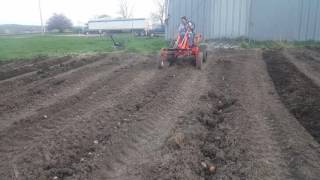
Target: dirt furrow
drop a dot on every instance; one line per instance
(245, 131)
(299, 93)
(114, 120)
(249, 114)
(264, 157)
(3, 63)
(18, 84)
(17, 63)
(306, 62)
(202, 137)
(22, 67)
(77, 103)
(71, 85)
(314, 51)
(272, 130)
(91, 115)
(149, 133)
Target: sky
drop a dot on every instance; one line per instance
(79, 11)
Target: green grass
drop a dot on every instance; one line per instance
(28, 46)
(278, 44)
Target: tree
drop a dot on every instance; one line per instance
(59, 22)
(125, 10)
(159, 16)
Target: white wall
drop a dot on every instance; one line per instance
(118, 25)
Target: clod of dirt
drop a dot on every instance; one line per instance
(210, 120)
(226, 103)
(95, 142)
(176, 141)
(58, 82)
(209, 150)
(208, 167)
(204, 165)
(220, 155)
(61, 173)
(45, 116)
(126, 120)
(212, 169)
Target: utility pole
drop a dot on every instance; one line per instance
(40, 11)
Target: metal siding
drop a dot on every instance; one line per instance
(308, 9)
(255, 19)
(299, 25)
(207, 18)
(295, 18)
(238, 17)
(217, 18)
(224, 18)
(304, 22)
(313, 23)
(284, 20)
(232, 18)
(212, 10)
(302, 26)
(316, 10)
(318, 22)
(228, 22)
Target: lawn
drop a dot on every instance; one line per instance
(28, 46)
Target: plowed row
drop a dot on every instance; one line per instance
(252, 114)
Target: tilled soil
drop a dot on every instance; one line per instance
(249, 114)
(298, 92)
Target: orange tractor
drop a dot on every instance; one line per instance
(182, 49)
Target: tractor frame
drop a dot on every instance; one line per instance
(182, 49)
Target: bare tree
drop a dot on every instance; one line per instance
(125, 10)
(159, 15)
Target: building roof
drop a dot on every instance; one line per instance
(113, 20)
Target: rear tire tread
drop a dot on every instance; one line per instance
(199, 60)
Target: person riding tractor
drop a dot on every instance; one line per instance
(186, 28)
(187, 44)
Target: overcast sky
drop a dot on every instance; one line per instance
(79, 11)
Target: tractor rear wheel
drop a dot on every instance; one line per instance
(203, 48)
(199, 60)
(205, 56)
